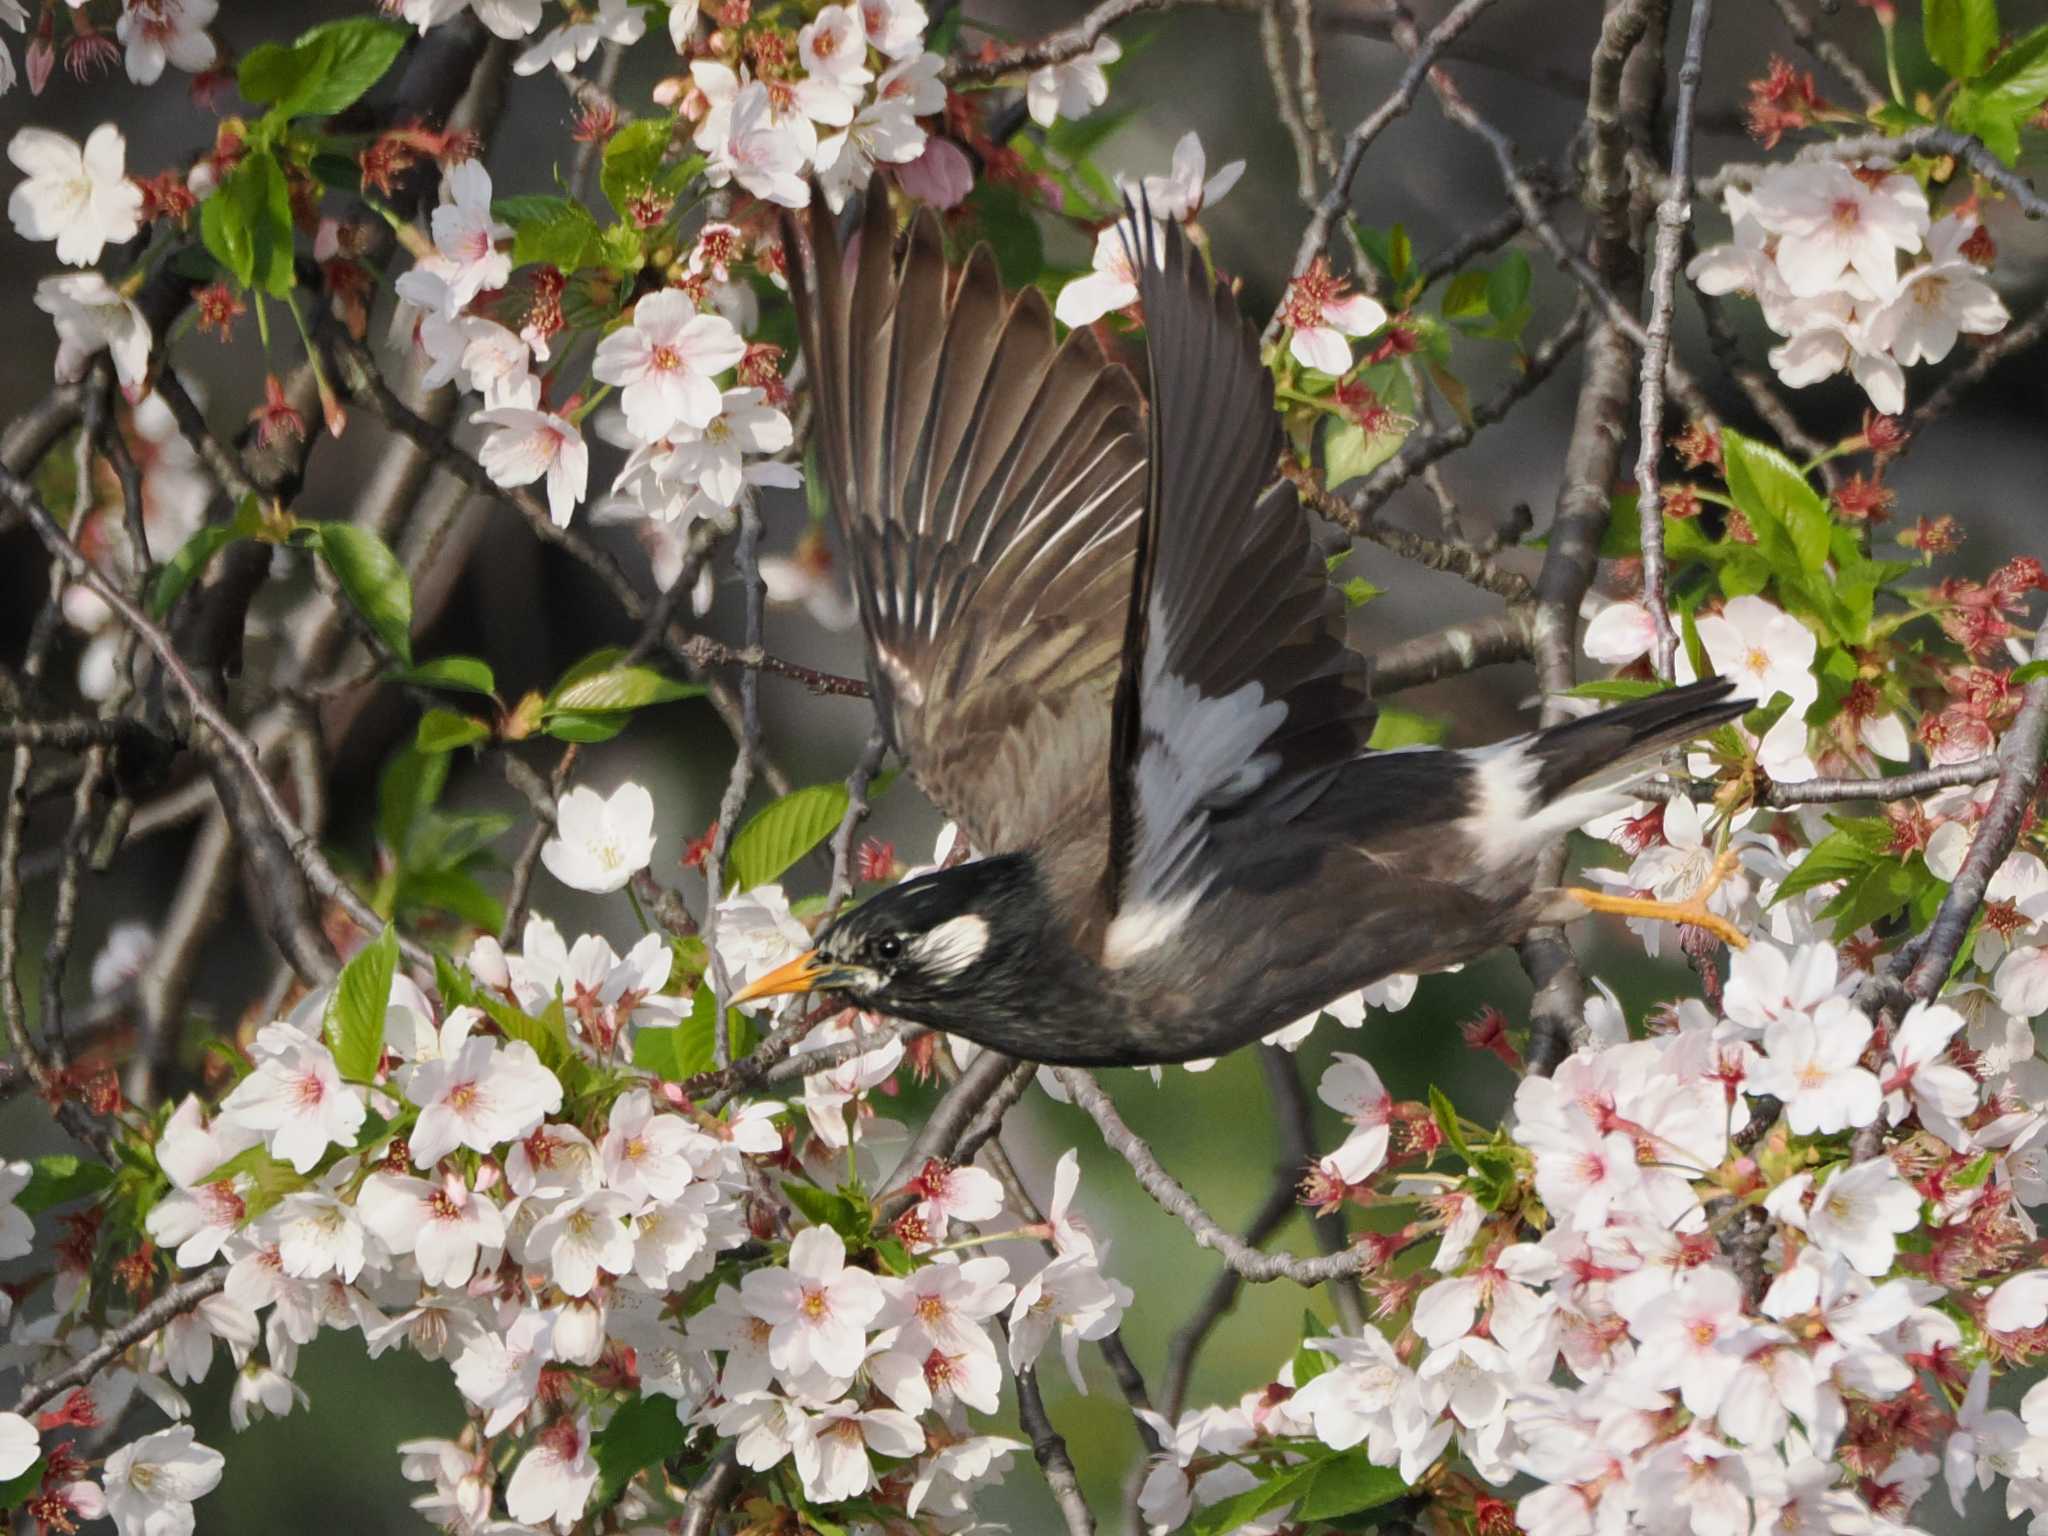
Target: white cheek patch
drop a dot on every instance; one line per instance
(952, 947)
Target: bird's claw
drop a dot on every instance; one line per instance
(1692, 911)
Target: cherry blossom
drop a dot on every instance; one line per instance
(553, 1481)
(160, 31)
(466, 235)
(1112, 285)
(1830, 222)
(1184, 192)
(527, 444)
(442, 1224)
(818, 1310)
(666, 362)
(91, 317)
(1353, 1089)
(1810, 1063)
(601, 841)
(566, 46)
(1073, 88)
(79, 197)
(151, 1483)
(485, 1094)
(295, 1098)
(20, 1445)
(831, 1447)
(1321, 318)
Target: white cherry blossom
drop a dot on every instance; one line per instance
(601, 841)
(77, 195)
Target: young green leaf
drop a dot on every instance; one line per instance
(2001, 101)
(585, 725)
(1769, 487)
(247, 224)
(642, 1434)
(632, 158)
(1959, 34)
(1405, 728)
(620, 688)
(372, 580)
(58, 1179)
(409, 787)
(325, 70)
(184, 567)
(549, 231)
(463, 674)
(443, 730)
(354, 1027)
(780, 834)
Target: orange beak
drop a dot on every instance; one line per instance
(807, 972)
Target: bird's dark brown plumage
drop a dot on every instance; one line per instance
(1101, 637)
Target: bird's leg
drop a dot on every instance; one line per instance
(1692, 910)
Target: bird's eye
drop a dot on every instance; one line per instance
(888, 947)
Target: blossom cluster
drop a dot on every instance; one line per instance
(1819, 245)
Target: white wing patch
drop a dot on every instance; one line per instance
(1501, 821)
(952, 947)
(1145, 926)
(1199, 754)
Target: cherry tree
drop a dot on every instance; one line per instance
(1761, 1257)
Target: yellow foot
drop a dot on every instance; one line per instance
(1692, 910)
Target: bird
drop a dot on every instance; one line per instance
(1100, 634)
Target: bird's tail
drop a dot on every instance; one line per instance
(1560, 778)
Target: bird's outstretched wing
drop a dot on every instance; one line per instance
(1238, 696)
(988, 481)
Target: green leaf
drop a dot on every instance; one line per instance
(549, 231)
(443, 730)
(642, 1434)
(60, 1178)
(679, 1052)
(826, 1208)
(1959, 34)
(372, 580)
(446, 842)
(1872, 895)
(451, 891)
(1618, 689)
(780, 834)
(2029, 672)
(354, 1028)
(1465, 296)
(1310, 1363)
(1358, 592)
(247, 224)
(632, 158)
(1230, 1515)
(1344, 1485)
(1446, 1117)
(462, 674)
(620, 688)
(1999, 103)
(325, 70)
(1769, 488)
(17, 1488)
(1841, 855)
(183, 568)
(1350, 451)
(410, 786)
(1507, 290)
(583, 725)
(1405, 728)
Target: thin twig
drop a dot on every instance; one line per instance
(840, 886)
(1054, 48)
(741, 780)
(1804, 33)
(1171, 1197)
(1495, 640)
(319, 874)
(1904, 786)
(2019, 775)
(173, 1304)
(1421, 57)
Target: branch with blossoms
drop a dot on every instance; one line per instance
(1757, 1257)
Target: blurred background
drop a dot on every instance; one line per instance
(531, 611)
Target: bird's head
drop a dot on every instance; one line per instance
(929, 950)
